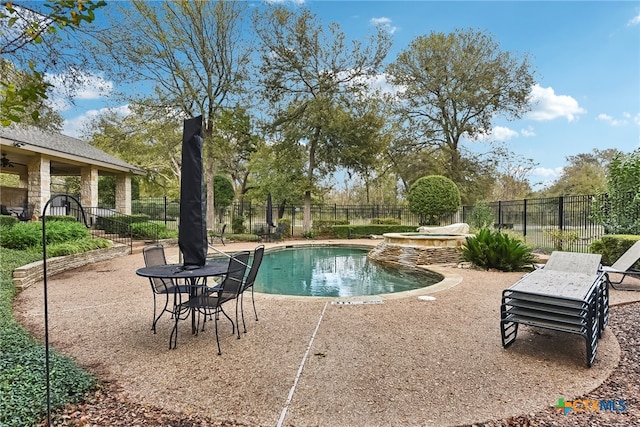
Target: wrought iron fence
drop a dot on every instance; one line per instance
(550, 223)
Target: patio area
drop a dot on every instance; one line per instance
(309, 362)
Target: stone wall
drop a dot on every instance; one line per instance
(412, 255)
(29, 274)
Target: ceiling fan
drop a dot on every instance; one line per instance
(5, 162)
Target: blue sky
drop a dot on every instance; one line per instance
(586, 57)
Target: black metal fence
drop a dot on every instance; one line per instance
(565, 222)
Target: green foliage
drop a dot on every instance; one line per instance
(29, 234)
(119, 224)
(562, 239)
(237, 225)
(310, 235)
(388, 221)
(22, 372)
(612, 246)
(74, 247)
(243, 237)
(433, 196)
(22, 99)
(354, 231)
(222, 192)
(324, 227)
(285, 225)
(151, 230)
(492, 249)
(456, 84)
(481, 216)
(63, 218)
(8, 221)
(619, 211)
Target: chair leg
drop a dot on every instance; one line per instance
(242, 312)
(217, 339)
(254, 304)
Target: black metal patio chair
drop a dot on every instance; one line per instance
(154, 255)
(208, 301)
(250, 280)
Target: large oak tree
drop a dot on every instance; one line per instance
(310, 75)
(193, 54)
(455, 85)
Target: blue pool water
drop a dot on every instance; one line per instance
(333, 272)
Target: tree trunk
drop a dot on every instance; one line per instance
(306, 221)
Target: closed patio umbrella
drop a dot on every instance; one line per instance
(192, 232)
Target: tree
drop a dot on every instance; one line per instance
(223, 190)
(139, 139)
(454, 85)
(309, 75)
(233, 143)
(432, 197)
(619, 210)
(31, 39)
(194, 54)
(585, 173)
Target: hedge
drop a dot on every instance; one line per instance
(355, 231)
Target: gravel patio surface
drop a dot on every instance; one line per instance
(308, 362)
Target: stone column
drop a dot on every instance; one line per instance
(38, 183)
(123, 194)
(89, 187)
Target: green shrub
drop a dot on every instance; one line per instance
(29, 234)
(562, 239)
(387, 221)
(612, 246)
(481, 216)
(8, 221)
(119, 224)
(237, 225)
(324, 227)
(242, 237)
(492, 249)
(150, 230)
(355, 231)
(75, 247)
(433, 196)
(63, 218)
(285, 225)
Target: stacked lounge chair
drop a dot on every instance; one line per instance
(570, 294)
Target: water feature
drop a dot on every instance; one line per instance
(334, 271)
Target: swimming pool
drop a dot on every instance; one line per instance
(333, 271)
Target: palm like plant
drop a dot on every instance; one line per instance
(497, 250)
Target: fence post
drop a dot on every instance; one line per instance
(165, 211)
(499, 215)
(561, 212)
(524, 218)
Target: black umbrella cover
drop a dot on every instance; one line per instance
(192, 232)
(269, 211)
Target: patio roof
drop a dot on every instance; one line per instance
(68, 154)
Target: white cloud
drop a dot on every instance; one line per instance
(502, 133)
(74, 127)
(546, 105)
(385, 23)
(528, 132)
(613, 122)
(547, 172)
(634, 21)
(636, 119)
(84, 86)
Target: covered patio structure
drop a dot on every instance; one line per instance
(36, 155)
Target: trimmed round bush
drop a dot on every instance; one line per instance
(432, 197)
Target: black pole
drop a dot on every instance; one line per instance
(46, 299)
